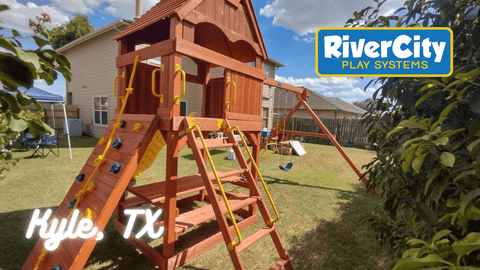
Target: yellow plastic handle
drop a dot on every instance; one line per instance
(234, 89)
(178, 69)
(265, 152)
(161, 69)
(115, 85)
(271, 221)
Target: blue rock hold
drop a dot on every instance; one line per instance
(80, 177)
(117, 143)
(72, 203)
(115, 168)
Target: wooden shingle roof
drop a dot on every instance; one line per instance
(161, 10)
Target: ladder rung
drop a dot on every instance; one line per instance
(214, 143)
(254, 238)
(222, 175)
(280, 264)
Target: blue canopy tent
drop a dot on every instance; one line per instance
(47, 97)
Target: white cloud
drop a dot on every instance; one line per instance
(61, 11)
(18, 15)
(357, 92)
(305, 16)
(125, 9)
(320, 84)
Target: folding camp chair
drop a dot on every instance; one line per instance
(49, 144)
(46, 142)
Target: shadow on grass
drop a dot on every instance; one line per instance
(343, 243)
(273, 180)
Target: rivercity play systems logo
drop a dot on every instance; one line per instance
(377, 52)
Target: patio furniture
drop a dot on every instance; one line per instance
(46, 142)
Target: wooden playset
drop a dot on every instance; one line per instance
(213, 33)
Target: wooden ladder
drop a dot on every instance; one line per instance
(200, 148)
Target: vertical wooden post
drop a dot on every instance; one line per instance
(176, 31)
(121, 83)
(170, 194)
(204, 73)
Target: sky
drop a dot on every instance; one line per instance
(288, 29)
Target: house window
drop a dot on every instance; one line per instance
(265, 117)
(266, 69)
(100, 110)
(183, 108)
(69, 98)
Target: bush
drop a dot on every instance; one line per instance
(427, 130)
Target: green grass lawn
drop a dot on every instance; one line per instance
(319, 200)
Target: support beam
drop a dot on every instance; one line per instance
(196, 51)
(155, 50)
(284, 86)
(335, 143)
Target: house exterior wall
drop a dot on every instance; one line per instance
(268, 93)
(93, 65)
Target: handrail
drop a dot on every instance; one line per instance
(161, 69)
(227, 106)
(233, 244)
(115, 85)
(178, 69)
(270, 222)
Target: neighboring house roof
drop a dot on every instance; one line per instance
(95, 33)
(275, 62)
(345, 106)
(315, 101)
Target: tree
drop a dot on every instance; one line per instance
(19, 68)
(427, 130)
(66, 33)
(364, 104)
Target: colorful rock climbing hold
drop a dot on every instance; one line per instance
(72, 203)
(80, 177)
(137, 127)
(123, 123)
(115, 168)
(117, 143)
(56, 268)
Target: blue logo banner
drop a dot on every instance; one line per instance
(384, 52)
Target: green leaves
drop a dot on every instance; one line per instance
(467, 245)
(430, 152)
(19, 68)
(417, 263)
(447, 159)
(427, 214)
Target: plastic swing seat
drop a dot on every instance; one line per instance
(286, 168)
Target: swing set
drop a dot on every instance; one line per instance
(274, 139)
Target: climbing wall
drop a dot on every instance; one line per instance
(135, 132)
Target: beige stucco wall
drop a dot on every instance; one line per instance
(93, 69)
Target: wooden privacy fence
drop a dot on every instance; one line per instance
(348, 132)
(72, 113)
